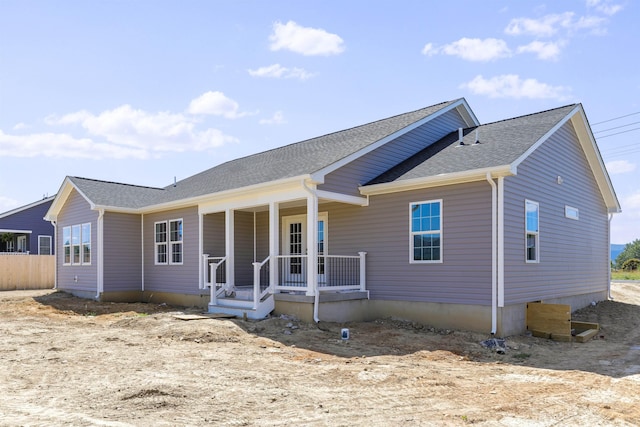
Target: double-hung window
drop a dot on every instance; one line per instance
(76, 244)
(532, 232)
(426, 231)
(169, 242)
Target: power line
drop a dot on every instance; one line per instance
(615, 118)
(618, 133)
(617, 127)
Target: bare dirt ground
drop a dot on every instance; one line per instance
(72, 362)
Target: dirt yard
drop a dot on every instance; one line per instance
(71, 362)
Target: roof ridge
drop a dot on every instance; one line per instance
(525, 115)
(117, 183)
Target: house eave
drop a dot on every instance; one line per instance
(437, 180)
(223, 195)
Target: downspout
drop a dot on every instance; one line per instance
(100, 272)
(142, 251)
(316, 294)
(55, 253)
(494, 257)
(609, 256)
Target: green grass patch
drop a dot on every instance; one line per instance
(625, 275)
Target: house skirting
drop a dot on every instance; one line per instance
(183, 300)
(512, 319)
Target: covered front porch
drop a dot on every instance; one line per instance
(254, 253)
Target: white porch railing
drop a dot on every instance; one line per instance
(215, 275)
(260, 281)
(335, 273)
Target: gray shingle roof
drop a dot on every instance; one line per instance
(296, 159)
(105, 193)
(501, 143)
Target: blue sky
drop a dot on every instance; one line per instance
(145, 91)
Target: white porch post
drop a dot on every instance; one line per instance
(363, 271)
(312, 244)
(229, 244)
(274, 244)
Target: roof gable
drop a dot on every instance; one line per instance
(499, 144)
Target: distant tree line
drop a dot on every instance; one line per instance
(629, 258)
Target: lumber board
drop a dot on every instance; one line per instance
(584, 326)
(554, 319)
(586, 335)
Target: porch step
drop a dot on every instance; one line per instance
(242, 308)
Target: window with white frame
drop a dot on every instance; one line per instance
(532, 231)
(44, 245)
(66, 245)
(169, 242)
(571, 212)
(76, 244)
(426, 231)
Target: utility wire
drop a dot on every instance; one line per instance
(617, 127)
(615, 118)
(618, 133)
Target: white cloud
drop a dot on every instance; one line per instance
(605, 6)
(60, 145)
(512, 86)
(19, 126)
(277, 71)
(550, 25)
(620, 166)
(305, 40)
(429, 49)
(625, 226)
(471, 49)
(277, 119)
(216, 104)
(6, 204)
(544, 27)
(543, 50)
(125, 132)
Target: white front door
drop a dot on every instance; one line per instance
(294, 238)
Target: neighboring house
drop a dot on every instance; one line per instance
(25, 231)
(427, 215)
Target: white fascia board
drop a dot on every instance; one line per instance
(467, 113)
(591, 151)
(253, 195)
(342, 198)
(25, 207)
(319, 175)
(7, 230)
(437, 181)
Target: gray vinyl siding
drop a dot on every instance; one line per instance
(573, 254)
(122, 252)
(213, 235)
(262, 236)
(382, 230)
(30, 219)
(244, 232)
(77, 211)
(347, 179)
(182, 278)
